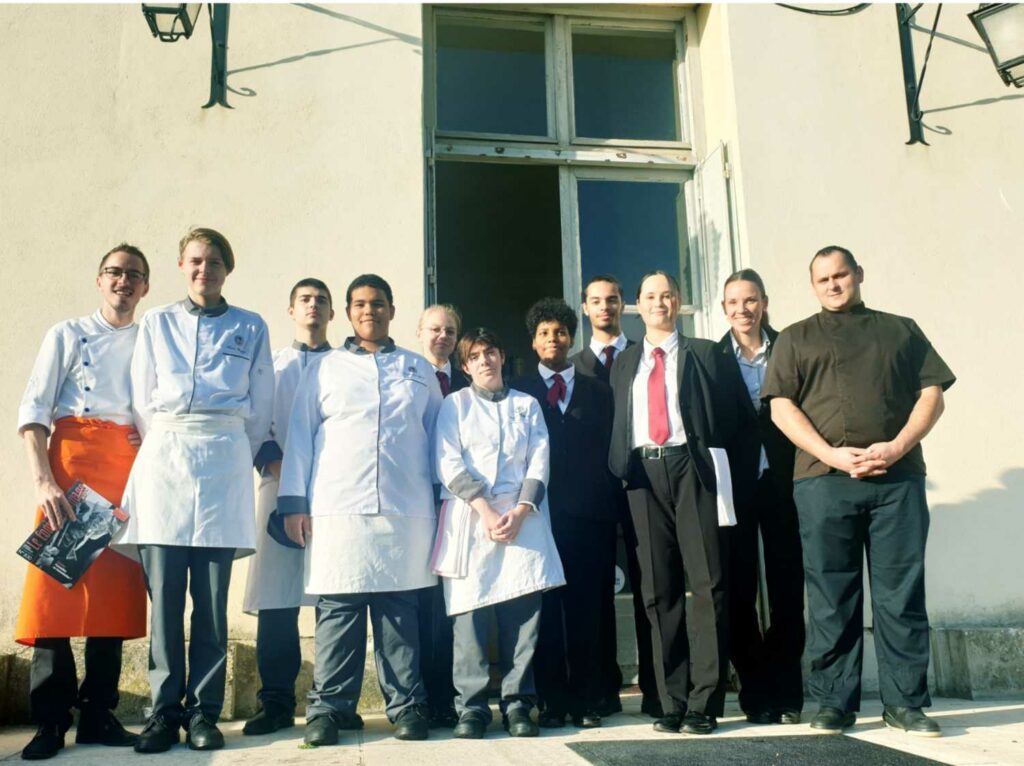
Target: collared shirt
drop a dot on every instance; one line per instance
(596, 346)
(212, 361)
(568, 376)
(753, 371)
(856, 376)
(82, 370)
(641, 437)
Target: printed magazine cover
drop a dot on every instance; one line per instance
(66, 553)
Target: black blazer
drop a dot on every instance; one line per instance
(459, 380)
(587, 363)
(757, 429)
(580, 484)
(708, 400)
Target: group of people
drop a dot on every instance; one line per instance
(426, 492)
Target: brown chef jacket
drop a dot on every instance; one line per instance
(856, 375)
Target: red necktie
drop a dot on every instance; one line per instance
(657, 406)
(556, 393)
(608, 352)
(446, 386)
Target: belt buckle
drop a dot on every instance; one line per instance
(659, 452)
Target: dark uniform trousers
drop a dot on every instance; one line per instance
(53, 683)
(840, 518)
(436, 650)
(676, 522)
(205, 573)
(768, 662)
(278, 658)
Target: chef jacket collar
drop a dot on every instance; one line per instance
(491, 396)
(351, 344)
(859, 308)
(300, 346)
(195, 309)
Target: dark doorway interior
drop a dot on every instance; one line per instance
(498, 246)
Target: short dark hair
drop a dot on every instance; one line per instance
(369, 280)
(124, 247)
(749, 275)
(479, 335)
(551, 310)
(848, 258)
(310, 282)
(213, 238)
(601, 278)
(672, 282)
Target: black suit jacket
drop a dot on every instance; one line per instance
(757, 430)
(587, 363)
(459, 380)
(708, 400)
(580, 484)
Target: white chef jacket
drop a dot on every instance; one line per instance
(676, 436)
(358, 459)
(212, 361)
(82, 370)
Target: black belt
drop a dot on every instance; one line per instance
(657, 453)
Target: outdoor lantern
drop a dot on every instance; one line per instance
(1001, 26)
(169, 21)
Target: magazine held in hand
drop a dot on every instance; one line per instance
(66, 553)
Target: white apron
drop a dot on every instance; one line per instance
(276, 571)
(478, 572)
(191, 485)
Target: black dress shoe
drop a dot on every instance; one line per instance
(48, 741)
(652, 707)
(203, 734)
(158, 736)
(412, 723)
(321, 730)
(518, 723)
(832, 720)
(470, 726)
(445, 718)
(607, 707)
(98, 726)
(589, 720)
(761, 717)
(787, 717)
(267, 722)
(912, 720)
(698, 723)
(550, 720)
(669, 724)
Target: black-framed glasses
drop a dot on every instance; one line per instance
(115, 273)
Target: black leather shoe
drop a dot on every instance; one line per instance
(470, 726)
(267, 722)
(158, 736)
(609, 706)
(444, 719)
(590, 720)
(832, 720)
(761, 717)
(320, 731)
(98, 726)
(412, 723)
(203, 734)
(48, 741)
(787, 717)
(549, 719)
(519, 724)
(669, 724)
(348, 721)
(652, 707)
(912, 720)
(698, 723)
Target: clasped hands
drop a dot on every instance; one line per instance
(503, 527)
(865, 462)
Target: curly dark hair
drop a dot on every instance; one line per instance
(551, 310)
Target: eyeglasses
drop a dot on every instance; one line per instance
(116, 273)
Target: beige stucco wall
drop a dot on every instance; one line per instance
(102, 138)
(814, 115)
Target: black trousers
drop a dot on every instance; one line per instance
(278, 658)
(437, 640)
(841, 519)
(573, 635)
(767, 662)
(53, 681)
(680, 544)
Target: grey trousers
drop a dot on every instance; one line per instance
(278, 658)
(205, 573)
(341, 652)
(518, 626)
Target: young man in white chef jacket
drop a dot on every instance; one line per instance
(202, 392)
(273, 589)
(356, 489)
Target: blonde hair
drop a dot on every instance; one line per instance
(210, 237)
(448, 309)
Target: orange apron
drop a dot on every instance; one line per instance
(110, 599)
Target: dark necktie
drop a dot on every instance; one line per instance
(446, 386)
(556, 393)
(608, 352)
(657, 405)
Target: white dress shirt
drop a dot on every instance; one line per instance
(82, 371)
(568, 375)
(753, 371)
(597, 347)
(676, 435)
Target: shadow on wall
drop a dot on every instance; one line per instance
(974, 545)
